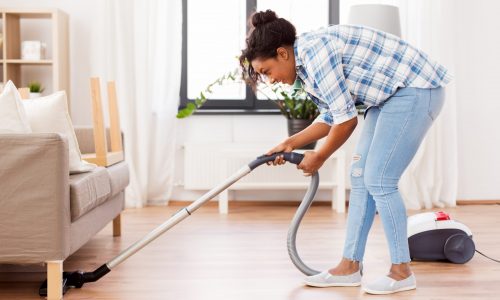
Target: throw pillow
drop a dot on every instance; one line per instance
(12, 115)
(50, 114)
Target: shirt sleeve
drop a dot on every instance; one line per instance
(325, 116)
(323, 63)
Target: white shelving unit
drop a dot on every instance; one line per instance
(47, 25)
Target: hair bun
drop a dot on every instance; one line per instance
(263, 17)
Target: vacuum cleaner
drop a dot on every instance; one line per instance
(78, 278)
(435, 236)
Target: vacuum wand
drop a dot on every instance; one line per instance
(78, 278)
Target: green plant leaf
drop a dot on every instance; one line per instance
(35, 87)
(299, 106)
(185, 112)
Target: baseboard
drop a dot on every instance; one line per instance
(477, 202)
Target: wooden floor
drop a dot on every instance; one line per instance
(243, 256)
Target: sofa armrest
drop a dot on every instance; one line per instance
(34, 198)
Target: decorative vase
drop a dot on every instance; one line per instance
(296, 125)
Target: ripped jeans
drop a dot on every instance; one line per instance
(389, 140)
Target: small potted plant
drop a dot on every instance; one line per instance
(36, 89)
(296, 105)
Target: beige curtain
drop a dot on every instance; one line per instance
(138, 44)
(431, 179)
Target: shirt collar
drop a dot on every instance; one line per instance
(299, 65)
(298, 61)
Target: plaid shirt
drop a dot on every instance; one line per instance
(342, 65)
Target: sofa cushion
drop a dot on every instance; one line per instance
(119, 177)
(88, 190)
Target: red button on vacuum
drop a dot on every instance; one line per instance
(442, 216)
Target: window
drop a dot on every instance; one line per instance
(214, 33)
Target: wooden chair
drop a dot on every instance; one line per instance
(103, 157)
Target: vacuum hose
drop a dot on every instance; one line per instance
(295, 158)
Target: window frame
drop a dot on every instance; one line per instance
(249, 105)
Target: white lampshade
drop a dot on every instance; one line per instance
(379, 16)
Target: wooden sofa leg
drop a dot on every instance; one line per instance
(117, 226)
(54, 279)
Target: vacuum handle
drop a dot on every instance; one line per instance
(292, 157)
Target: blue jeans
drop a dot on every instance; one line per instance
(389, 140)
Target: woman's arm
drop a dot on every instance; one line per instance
(337, 136)
(310, 134)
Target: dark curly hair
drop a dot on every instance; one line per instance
(268, 33)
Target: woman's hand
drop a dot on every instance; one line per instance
(311, 163)
(282, 147)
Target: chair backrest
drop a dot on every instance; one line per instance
(102, 156)
(114, 119)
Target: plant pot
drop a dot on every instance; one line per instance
(35, 95)
(297, 125)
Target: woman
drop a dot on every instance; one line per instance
(340, 66)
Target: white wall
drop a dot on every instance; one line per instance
(476, 80)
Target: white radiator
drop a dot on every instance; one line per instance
(203, 166)
(208, 164)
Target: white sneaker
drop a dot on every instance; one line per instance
(387, 285)
(325, 279)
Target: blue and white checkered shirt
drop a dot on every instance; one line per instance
(342, 65)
